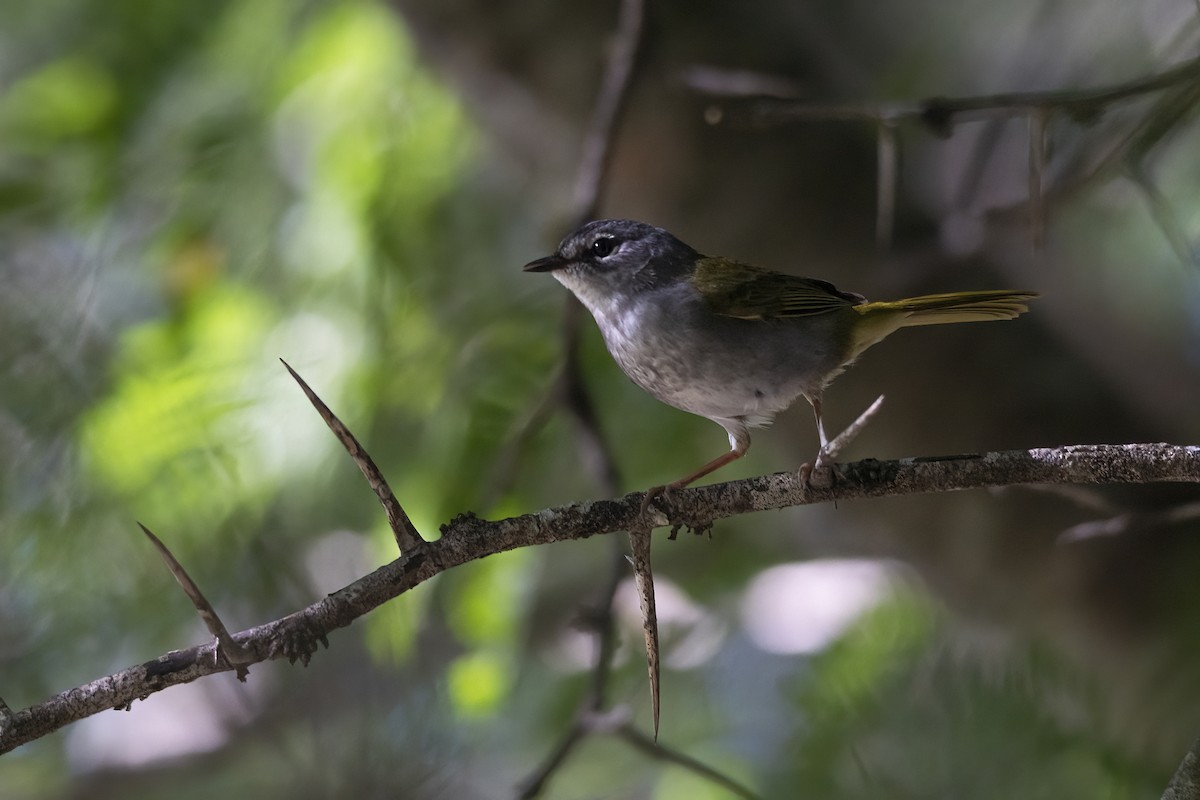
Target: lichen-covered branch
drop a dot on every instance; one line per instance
(468, 538)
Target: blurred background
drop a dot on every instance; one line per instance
(190, 191)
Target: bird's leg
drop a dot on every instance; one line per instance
(823, 454)
(830, 449)
(739, 442)
(823, 458)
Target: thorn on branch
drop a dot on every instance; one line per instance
(643, 579)
(407, 537)
(823, 469)
(226, 646)
(846, 437)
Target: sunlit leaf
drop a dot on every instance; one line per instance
(478, 681)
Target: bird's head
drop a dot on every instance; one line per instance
(613, 260)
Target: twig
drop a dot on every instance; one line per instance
(1118, 152)
(237, 656)
(469, 538)
(589, 184)
(504, 470)
(661, 752)
(851, 432)
(1082, 496)
(569, 388)
(616, 722)
(1123, 523)
(606, 113)
(407, 537)
(533, 784)
(942, 113)
(595, 158)
(1162, 215)
(573, 394)
(722, 82)
(820, 474)
(602, 621)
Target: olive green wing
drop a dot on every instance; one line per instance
(733, 289)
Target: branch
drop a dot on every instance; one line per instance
(942, 113)
(468, 538)
(570, 391)
(606, 113)
(1185, 783)
(617, 723)
(1178, 88)
(661, 752)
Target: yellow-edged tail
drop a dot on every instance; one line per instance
(883, 318)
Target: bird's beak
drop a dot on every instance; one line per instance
(547, 264)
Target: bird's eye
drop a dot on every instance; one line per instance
(603, 246)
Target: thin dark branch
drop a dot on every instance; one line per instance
(570, 389)
(661, 752)
(469, 538)
(604, 622)
(606, 113)
(589, 183)
(596, 155)
(723, 82)
(1126, 150)
(1123, 523)
(536, 781)
(942, 113)
(594, 450)
(407, 537)
(1085, 497)
(505, 467)
(1163, 215)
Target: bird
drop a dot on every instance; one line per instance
(729, 341)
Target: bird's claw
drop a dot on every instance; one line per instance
(823, 468)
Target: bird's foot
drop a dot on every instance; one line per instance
(822, 473)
